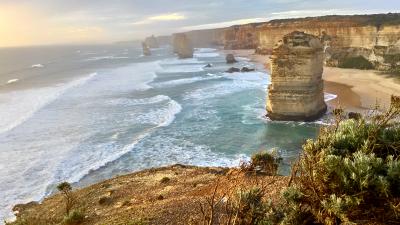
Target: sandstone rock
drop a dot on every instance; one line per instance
(230, 58)
(146, 49)
(152, 42)
(182, 46)
(233, 70)
(296, 90)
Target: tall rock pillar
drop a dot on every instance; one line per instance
(296, 90)
(182, 46)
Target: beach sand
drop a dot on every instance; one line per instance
(357, 90)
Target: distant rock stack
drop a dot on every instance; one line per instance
(296, 90)
(146, 49)
(152, 42)
(182, 46)
(230, 58)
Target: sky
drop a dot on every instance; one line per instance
(47, 22)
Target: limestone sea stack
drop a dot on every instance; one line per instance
(152, 42)
(182, 46)
(296, 89)
(146, 49)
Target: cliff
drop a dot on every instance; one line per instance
(182, 46)
(373, 37)
(296, 90)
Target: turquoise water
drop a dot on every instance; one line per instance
(91, 113)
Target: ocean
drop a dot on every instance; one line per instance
(87, 113)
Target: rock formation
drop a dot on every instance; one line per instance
(146, 49)
(152, 42)
(230, 58)
(233, 70)
(374, 37)
(296, 90)
(236, 70)
(182, 46)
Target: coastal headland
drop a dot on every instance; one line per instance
(178, 193)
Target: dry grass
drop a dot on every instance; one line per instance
(135, 198)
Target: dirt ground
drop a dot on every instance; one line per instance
(168, 195)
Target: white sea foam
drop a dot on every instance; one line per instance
(206, 54)
(18, 106)
(183, 69)
(162, 150)
(239, 82)
(329, 97)
(106, 57)
(205, 50)
(249, 76)
(84, 163)
(12, 81)
(218, 90)
(97, 162)
(242, 59)
(143, 101)
(172, 83)
(37, 66)
(161, 117)
(176, 61)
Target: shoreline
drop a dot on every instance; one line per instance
(356, 90)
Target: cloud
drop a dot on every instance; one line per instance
(162, 17)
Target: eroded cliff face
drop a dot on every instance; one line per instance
(182, 46)
(241, 37)
(375, 38)
(296, 90)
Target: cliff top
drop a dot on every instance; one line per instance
(361, 20)
(168, 195)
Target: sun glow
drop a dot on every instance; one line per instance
(22, 26)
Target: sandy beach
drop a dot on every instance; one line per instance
(357, 90)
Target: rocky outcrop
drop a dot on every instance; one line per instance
(373, 37)
(236, 70)
(230, 58)
(146, 49)
(182, 46)
(241, 37)
(296, 90)
(152, 42)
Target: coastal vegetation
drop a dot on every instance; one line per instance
(350, 174)
(358, 62)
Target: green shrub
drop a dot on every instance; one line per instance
(358, 62)
(66, 190)
(350, 173)
(74, 217)
(267, 162)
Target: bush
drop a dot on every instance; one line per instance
(266, 162)
(66, 190)
(74, 217)
(351, 173)
(165, 180)
(358, 62)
